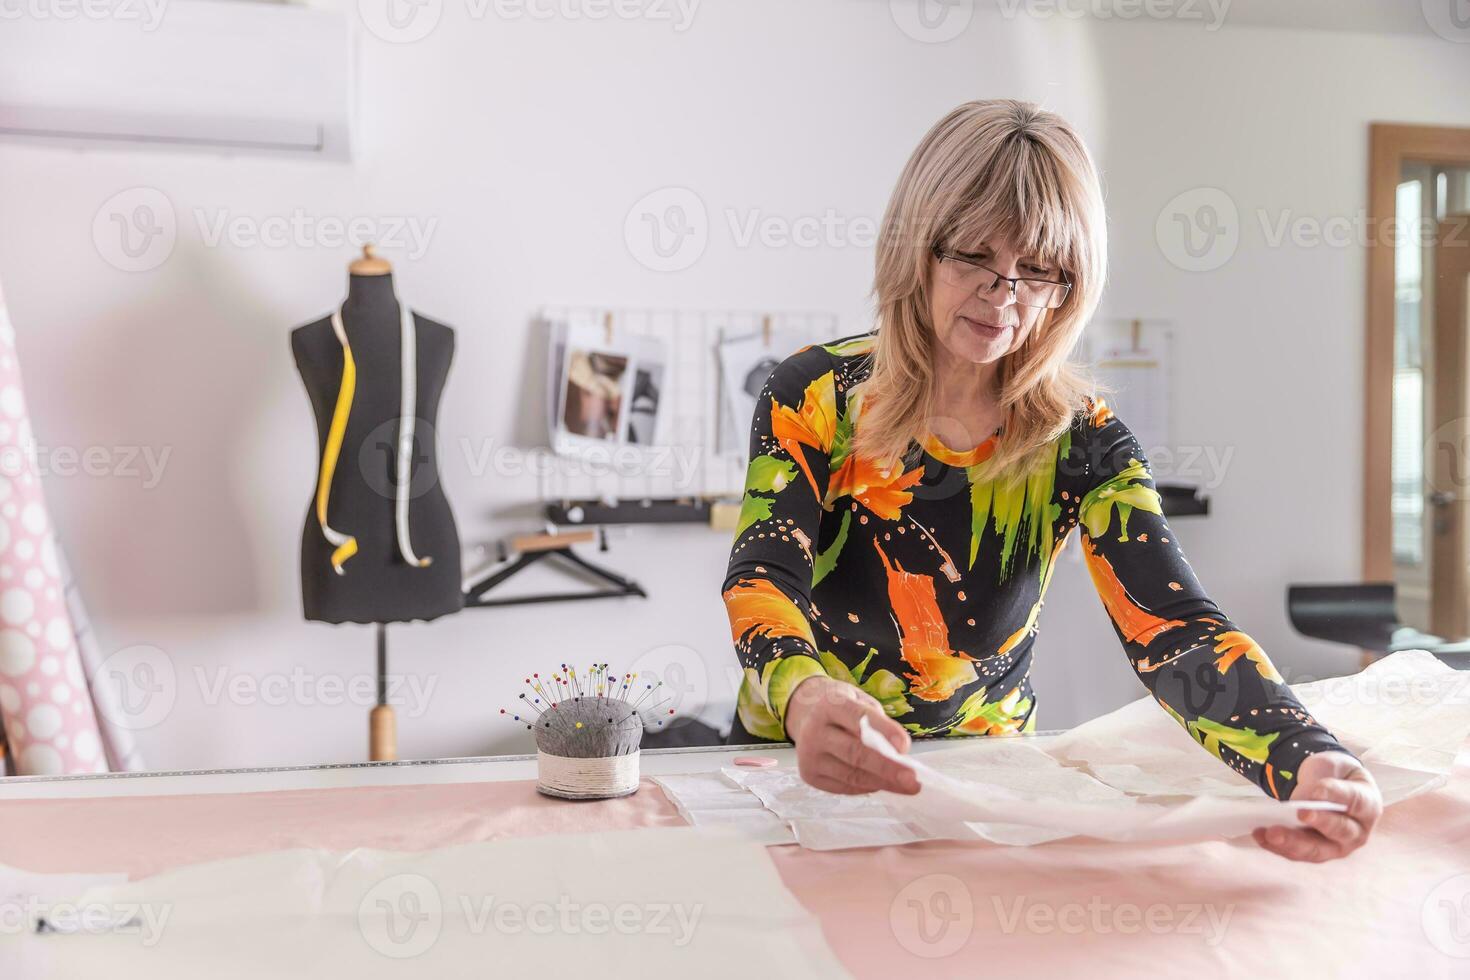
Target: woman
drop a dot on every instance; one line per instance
(910, 490)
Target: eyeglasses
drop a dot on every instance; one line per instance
(971, 276)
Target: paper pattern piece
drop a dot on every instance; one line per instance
(1130, 775)
(714, 800)
(652, 902)
(949, 807)
(1404, 716)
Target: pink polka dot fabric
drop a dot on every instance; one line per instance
(45, 702)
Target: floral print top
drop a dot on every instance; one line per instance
(922, 585)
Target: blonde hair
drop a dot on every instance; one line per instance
(996, 170)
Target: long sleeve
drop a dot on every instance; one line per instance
(1203, 669)
(767, 589)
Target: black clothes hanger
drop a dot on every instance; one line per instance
(534, 548)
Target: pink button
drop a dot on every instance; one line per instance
(756, 761)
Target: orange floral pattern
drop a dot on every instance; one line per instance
(882, 490)
(923, 636)
(813, 424)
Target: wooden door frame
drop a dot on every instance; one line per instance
(1449, 579)
(1389, 145)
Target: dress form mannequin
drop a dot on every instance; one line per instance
(379, 543)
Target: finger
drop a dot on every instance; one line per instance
(1276, 843)
(1366, 805)
(893, 775)
(851, 721)
(896, 734)
(832, 771)
(1298, 844)
(1337, 827)
(1359, 796)
(836, 776)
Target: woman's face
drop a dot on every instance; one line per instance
(981, 325)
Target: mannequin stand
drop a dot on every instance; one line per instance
(382, 724)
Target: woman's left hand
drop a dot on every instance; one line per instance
(1327, 835)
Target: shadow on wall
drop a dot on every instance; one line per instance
(173, 384)
(528, 427)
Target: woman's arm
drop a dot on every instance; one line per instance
(767, 589)
(1205, 671)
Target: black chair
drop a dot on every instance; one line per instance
(1360, 615)
(1363, 615)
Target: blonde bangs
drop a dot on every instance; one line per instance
(1014, 200)
(991, 171)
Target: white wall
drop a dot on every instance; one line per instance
(526, 143)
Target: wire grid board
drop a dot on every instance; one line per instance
(685, 459)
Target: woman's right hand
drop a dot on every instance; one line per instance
(822, 718)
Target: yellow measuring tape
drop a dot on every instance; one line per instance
(345, 545)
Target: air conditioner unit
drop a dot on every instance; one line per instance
(195, 74)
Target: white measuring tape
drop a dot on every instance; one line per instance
(408, 405)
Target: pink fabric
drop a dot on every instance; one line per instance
(1066, 908)
(144, 835)
(47, 708)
